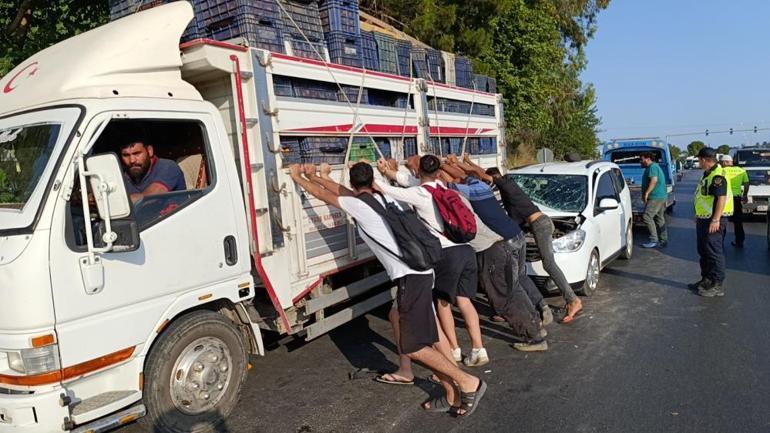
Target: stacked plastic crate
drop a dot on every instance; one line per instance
(303, 32)
(313, 150)
(340, 21)
(463, 72)
(369, 46)
(484, 83)
(404, 55)
(363, 148)
(257, 21)
(428, 64)
(386, 53)
(121, 8)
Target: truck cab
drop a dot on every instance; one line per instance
(626, 154)
(756, 161)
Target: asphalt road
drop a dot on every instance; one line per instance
(647, 356)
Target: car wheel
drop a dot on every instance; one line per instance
(592, 275)
(194, 374)
(629, 249)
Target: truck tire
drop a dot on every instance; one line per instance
(194, 374)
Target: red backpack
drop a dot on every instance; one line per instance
(459, 221)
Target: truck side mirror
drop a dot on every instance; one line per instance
(108, 187)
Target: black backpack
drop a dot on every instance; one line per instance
(420, 250)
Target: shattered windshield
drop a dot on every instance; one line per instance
(566, 193)
(30, 145)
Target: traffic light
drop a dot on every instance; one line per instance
(755, 129)
(707, 133)
(731, 131)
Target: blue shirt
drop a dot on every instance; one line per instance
(486, 206)
(162, 171)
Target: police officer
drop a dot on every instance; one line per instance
(713, 201)
(739, 182)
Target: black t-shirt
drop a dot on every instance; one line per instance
(516, 202)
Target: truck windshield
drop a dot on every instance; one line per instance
(566, 193)
(753, 158)
(633, 157)
(29, 147)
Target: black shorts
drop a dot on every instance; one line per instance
(456, 273)
(416, 319)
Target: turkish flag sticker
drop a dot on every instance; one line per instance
(24, 74)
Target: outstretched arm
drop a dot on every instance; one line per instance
(325, 180)
(313, 189)
(474, 169)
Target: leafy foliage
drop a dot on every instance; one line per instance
(694, 147)
(724, 149)
(28, 26)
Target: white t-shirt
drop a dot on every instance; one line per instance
(422, 202)
(372, 225)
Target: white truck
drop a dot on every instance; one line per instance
(756, 161)
(112, 311)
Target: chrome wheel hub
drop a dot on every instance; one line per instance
(592, 276)
(201, 375)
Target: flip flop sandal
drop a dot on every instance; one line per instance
(440, 404)
(382, 379)
(432, 379)
(469, 401)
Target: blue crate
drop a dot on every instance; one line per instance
(313, 150)
(463, 72)
(340, 16)
(483, 110)
(325, 144)
(386, 53)
(352, 93)
(300, 48)
(258, 21)
(283, 86)
(428, 64)
(345, 49)
(121, 8)
(404, 55)
(491, 85)
(369, 46)
(307, 18)
(410, 147)
(484, 83)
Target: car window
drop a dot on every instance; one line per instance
(620, 181)
(605, 187)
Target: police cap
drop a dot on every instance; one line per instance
(708, 153)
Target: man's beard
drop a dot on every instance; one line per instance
(137, 172)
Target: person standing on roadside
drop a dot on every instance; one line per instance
(654, 196)
(713, 201)
(739, 182)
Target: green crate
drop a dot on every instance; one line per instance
(363, 151)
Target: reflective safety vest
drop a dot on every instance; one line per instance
(736, 176)
(704, 202)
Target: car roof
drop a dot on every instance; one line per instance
(581, 167)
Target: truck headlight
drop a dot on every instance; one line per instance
(570, 242)
(30, 362)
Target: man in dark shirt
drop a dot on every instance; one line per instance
(522, 210)
(146, 174)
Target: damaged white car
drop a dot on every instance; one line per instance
(590, 206)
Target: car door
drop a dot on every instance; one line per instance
(182, 234)
(609, 221)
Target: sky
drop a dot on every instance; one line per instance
(666, 67)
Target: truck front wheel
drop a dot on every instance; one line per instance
(194, 374)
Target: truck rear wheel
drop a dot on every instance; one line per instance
(194, 374)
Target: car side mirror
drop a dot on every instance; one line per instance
(608, 204)
(107, 185)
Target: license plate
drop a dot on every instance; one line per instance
(761, 208)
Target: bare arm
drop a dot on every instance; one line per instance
(154, 188)
(314, 189)
(454, 171)
(325, 180)
(474, 169)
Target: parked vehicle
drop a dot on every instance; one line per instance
(113, 310)
(626, 153)
(590, 205)
(756, 161)
(679, 170)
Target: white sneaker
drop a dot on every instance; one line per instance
(457, 354)
(477, 358)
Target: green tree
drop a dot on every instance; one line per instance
(28, 26)
(694, 147)
(676, 152)
(724, 149)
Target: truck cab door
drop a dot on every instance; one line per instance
(183, 235)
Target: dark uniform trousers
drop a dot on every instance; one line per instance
(711, 248)
(737, 219)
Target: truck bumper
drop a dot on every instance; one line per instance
(40, 412)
